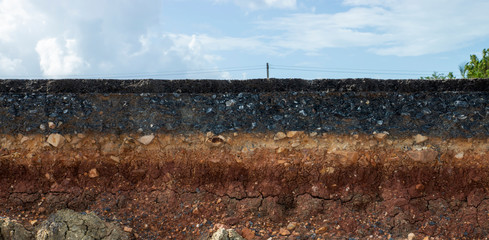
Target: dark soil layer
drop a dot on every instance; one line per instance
(441, 114)
(186, 194)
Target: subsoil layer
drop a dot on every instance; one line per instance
(290, 185)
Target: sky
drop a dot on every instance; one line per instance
(234, 39)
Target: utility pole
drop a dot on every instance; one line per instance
(268, 73)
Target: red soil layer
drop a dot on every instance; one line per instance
(184, 187)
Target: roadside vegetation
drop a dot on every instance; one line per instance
(475, 68)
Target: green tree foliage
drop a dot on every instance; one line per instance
(477, 68)
(439, 76)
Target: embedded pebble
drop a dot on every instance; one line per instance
(56, 140)
(279, 136)
(146, 139)
(420, 138)
(93, 173)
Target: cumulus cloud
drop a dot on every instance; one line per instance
(9, 66)
(57, 59)
(46, 38)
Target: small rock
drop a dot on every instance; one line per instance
(411, 236)
(291, 226)
(223, 234)
(426, 238)
(425, 155)
(127, 229)
(313, 134)
(321, 230)
(93, 173)
(381, 136)
(295, 144)
(146, 139)
(51, 125)
(42, 127)
(230, 103)
(279, 136)
(56, 140)
(233, 235)
(291, 134)
(280, 150)
(248, 234)
(420, 138)
(24, 139)
(32, 222)
(459, 155)
(115, 159)
(284, 232)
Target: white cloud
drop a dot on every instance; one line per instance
(12, 16)
(57, 59)
(263, 4)
(386, 27)
(9, 66)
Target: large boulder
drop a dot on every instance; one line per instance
(68, 224)
(11, 230)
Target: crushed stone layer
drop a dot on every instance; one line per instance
(284, 185)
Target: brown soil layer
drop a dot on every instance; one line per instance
(283, 185)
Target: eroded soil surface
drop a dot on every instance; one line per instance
(283, 185)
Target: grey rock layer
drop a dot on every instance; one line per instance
(11, 230)
(64, 225)
(70, 225)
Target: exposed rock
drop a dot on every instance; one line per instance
(284, 232)
(291, 134)
(42, 127)
(93, 173)
(51, 125)
(147, 139)
(109, 148)
(420, 138)
(411, 236)
(321, 230)
(424, 155)
(248, 234)
(115, 159)
(12, 230)
(56, 140)
(380, 136)
(291, 226)
(279, 136)
(226, 234)
(459, 155)
(68, 224)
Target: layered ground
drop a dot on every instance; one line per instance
(285, 158)
(183, 186)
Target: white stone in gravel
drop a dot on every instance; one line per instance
(147, 139)
(93, 173)
(56, 140)
(420, 138)
(459, 155)
(279, 136)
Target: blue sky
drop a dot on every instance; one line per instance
(234, 39)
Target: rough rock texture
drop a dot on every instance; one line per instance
(12, 230)
(436, 108)
(67, 224)
(226, 234)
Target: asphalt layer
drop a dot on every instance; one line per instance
(441, 114)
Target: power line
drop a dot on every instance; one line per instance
(241, 69)
(350, 70)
